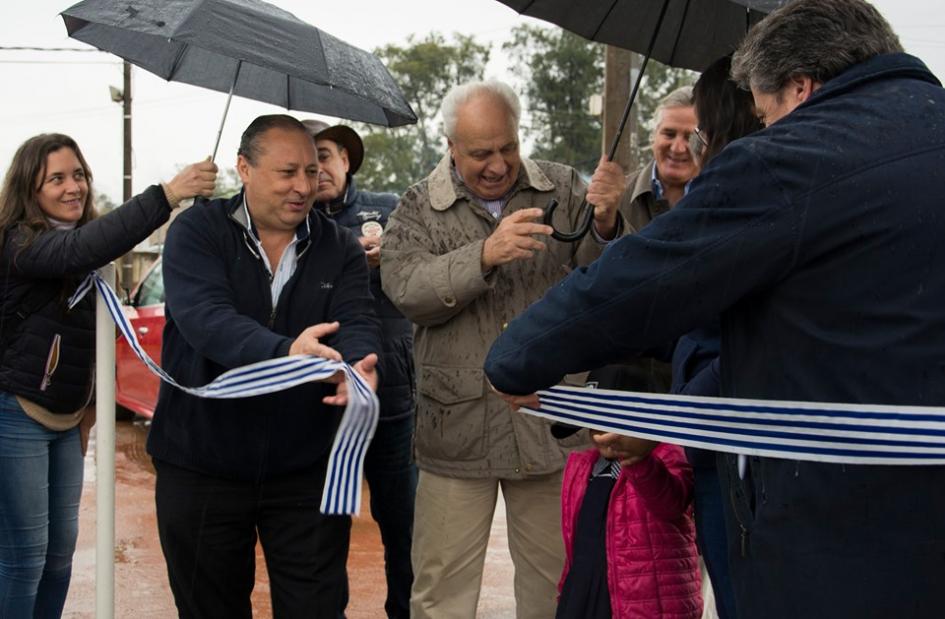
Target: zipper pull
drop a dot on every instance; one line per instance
(744, 542)
(52, 362)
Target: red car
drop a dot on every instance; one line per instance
(136, 388)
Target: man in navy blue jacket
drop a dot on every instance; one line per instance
(256, 277)
(388, 467)
(819, 242)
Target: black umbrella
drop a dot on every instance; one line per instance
(681, 33)
(244, 47)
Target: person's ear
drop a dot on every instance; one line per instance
(801, 87)
(343, 153)
(242, 168)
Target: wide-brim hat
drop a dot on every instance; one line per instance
(342, 134)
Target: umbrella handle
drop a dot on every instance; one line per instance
(586, 211)
(585, 217)
(226, 110)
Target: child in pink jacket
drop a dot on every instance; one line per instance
(629, 538)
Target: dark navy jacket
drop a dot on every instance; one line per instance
(220, 316)
(819, 241)
(36, 283)
(396, 392)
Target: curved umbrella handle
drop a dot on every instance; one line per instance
(586, 211)
(585, 217)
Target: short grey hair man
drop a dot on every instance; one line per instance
(681, 97)
(462, 94)
(812, 40)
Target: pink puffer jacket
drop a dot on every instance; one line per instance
(653, 565)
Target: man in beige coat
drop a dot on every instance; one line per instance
(464, 253)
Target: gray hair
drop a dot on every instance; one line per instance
(816, 38)
(463, 93)
(681, 97)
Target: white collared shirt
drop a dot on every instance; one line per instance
(287, 263)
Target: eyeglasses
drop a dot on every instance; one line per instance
(697, 142)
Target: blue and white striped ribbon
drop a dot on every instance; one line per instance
(814, 431)
(342, 492)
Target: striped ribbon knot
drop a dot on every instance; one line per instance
(814, 431)
(342, 491)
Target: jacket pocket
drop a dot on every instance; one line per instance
(450, 413)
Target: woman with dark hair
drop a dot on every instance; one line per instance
(50, 239)
(725, 113)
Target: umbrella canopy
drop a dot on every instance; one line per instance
(245, 47)
(681, 33)
(693, 33)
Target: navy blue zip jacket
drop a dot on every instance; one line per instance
(355, 209)
(819, 241)
(220, 316)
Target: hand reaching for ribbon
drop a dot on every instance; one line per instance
(366, 368)
(627, 449)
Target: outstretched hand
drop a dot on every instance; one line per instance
(366, 368)
(309, 342)
(516, 402)
(627, 449)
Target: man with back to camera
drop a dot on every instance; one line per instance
(818, 241)
(388, 467)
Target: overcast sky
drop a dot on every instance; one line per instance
(177, 123)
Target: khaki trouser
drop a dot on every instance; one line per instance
(451, 527)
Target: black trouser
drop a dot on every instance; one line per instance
(208, 529)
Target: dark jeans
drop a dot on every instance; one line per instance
(712, 539)
(40, 487)
(392, 478)
(208, 529)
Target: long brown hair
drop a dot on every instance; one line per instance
(18, 204)
(725, 111)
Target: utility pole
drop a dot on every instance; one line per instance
(127, 261)
(618, 66)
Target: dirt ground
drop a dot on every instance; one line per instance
(141, 588)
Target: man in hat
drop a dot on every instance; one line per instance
(389, 468)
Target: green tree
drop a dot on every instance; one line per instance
(425, 70)
(557, 72)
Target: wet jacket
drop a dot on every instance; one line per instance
(652, 562)
(219, 316)
(396, 393)
(431, 270)
(35, 323)
(818, 240)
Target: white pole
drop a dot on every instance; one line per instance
(105, 455)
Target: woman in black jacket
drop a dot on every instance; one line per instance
(50, 239)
